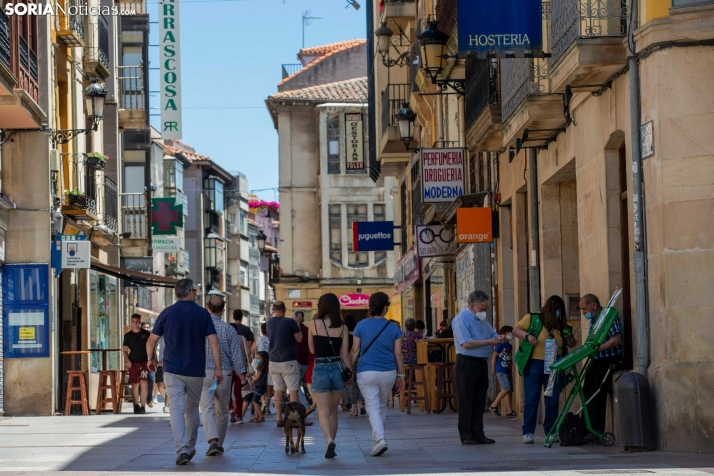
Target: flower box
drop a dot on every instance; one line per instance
(96, 160)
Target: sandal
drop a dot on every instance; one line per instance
(353, 414)
(257, 420)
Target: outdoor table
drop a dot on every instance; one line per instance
(446, 346)
(104, 355)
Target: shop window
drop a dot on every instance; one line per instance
(355, 212)
(105, 330)
(335, 218)
(379, 214)
(333, 144)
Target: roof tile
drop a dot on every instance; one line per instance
(351, 90)
(326, 51)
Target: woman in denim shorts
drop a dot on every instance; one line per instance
(328, 341)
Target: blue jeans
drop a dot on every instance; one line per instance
(534, 382)
(327, 377)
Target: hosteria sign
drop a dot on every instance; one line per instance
(442, 174)
(514, 26)
(170, 53)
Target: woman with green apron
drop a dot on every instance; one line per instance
(542, 335)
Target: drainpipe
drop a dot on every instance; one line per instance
(638, 202)
(462, 121)
(534, 269)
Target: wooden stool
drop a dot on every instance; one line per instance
(81, 387)
(105, 388)
(445, 388)
(415, 378)
(121, 391)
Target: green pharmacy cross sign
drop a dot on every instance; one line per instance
(166, 216)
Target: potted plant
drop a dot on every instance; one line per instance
(96, 160)
(76, 197)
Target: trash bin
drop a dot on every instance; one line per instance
(633, 411)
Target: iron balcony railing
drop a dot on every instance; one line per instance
(28, 59)
(4, 39)
(290, 69)
(482, 87)
(134, 215)
(91, 190)
(97, 48)
(522, 77)
(229, 284)
(71, 21)
(573, 19)
(392, 99)
(131, 87)
(111, 204)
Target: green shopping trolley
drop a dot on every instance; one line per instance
(567, 369)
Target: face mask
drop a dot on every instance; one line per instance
(558, 314)
(589, 315)
(480, 315)
(509, 337)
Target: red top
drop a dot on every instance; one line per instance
(302, 349)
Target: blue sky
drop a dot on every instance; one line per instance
(231, 53)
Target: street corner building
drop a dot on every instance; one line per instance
(597, 171)
(323, 124)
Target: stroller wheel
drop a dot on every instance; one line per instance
(608, 439)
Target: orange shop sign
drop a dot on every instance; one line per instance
(474, 225)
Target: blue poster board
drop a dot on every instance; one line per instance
(513, 26)
(26, 310)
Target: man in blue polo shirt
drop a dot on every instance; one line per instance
(185, 326)
(473, 336)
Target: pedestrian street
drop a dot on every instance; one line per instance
(128, 444)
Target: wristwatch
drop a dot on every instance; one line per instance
(400, 375)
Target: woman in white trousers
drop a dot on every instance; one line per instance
(378, 344)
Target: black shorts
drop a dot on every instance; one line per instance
(159, 375)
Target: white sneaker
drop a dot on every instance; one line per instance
(166, 409)
(155, 400)
(379, 448)
(528, 438)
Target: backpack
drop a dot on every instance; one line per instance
(572, 431)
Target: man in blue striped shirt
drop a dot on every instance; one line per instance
(473, 336)
(609, 357)
(214, 406)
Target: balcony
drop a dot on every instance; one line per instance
(229, 284)
(527, 101)
(483, 105)
(96, 51)
(132, 106)
(290, 69)
(19, 80)
(70, 28)
(135, 225)
(401, 11)
(588, 42)
(392, 152)
(111, 205)
(82, 206)
(138, 8)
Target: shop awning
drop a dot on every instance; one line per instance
(142, 279)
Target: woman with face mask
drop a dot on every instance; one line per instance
(548, 345)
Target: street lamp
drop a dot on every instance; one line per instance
(405, 121)
(261, 238)
(384, 39)
(433, 42)
(95, 96)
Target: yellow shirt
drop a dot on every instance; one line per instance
(539, 349)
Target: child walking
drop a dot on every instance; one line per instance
(260, 380)
(501, 365)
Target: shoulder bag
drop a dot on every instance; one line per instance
(525, 350)
(346, 373)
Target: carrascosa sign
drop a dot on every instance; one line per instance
(442, 173)
(514, 26)
(354, 300)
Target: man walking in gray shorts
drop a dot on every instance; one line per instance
(185, 326)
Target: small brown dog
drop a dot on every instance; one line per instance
(294, 417)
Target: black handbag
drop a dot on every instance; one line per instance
(346, 373)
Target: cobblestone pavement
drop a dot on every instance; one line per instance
(418, 444)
